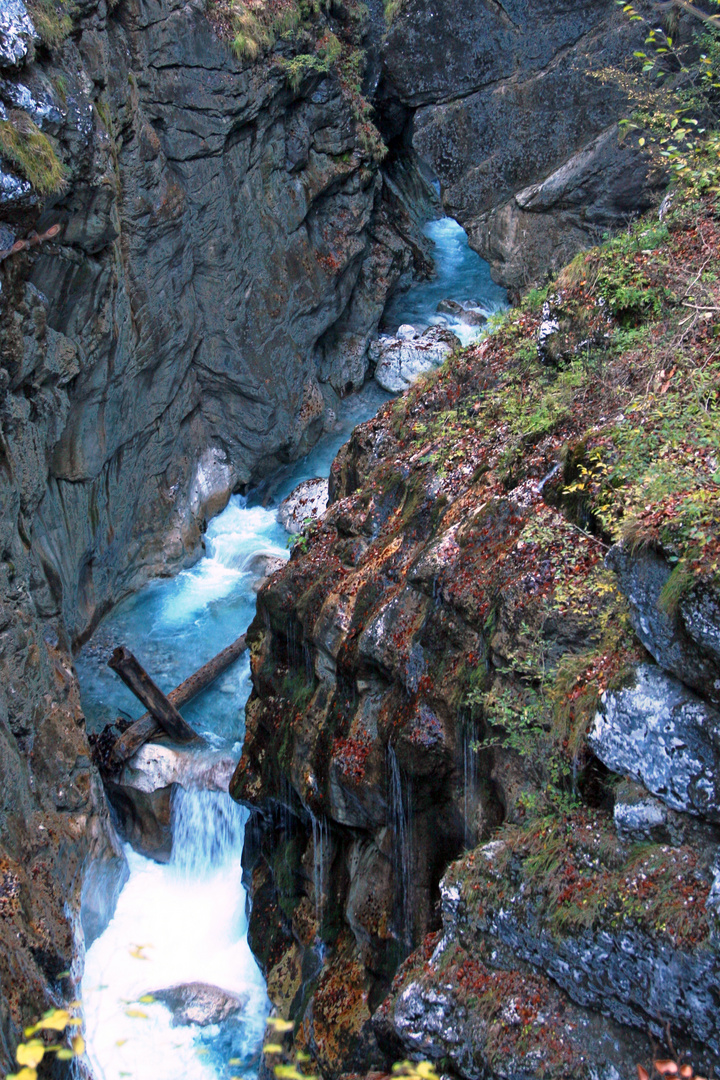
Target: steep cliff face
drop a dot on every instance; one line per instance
(177, 321)
(510, 112)
(453, 658)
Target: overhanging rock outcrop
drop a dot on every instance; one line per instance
(510, 113)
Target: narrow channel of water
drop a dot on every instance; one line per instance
(184, 921)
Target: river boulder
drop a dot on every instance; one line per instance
(400, 359)
(466, 312)
(201, 1003)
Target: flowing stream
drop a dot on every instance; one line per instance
(184, 921)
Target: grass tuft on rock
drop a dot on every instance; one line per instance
(23, 144)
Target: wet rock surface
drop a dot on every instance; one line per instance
(201, 1004)
(307, 502)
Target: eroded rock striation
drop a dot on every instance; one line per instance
(173, 322)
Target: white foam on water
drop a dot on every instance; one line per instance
(174, 924)
(460, 274)
(231, 538)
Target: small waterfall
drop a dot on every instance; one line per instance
(320, 833)
(208, 830)
(400, 808)
(470, 779)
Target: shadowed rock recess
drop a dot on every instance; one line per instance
(176, 322)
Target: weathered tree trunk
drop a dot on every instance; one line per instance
(147, 727)
(135, 677)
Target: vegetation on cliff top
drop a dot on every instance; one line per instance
(324, 37)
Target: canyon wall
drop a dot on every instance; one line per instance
(224, 249)
(482, 748)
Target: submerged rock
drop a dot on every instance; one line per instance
(201, 1003)
(308, 500)
(399, 360)
(466, 312)
(663, 734)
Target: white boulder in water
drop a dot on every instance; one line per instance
(157, 765)
(399, 360)
(308, 500)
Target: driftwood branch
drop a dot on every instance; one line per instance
(147, 727)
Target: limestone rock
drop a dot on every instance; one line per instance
(156, 765)
(664, 735)
(308, 500)
(522, 137)
(201, 1004)
(399, 360)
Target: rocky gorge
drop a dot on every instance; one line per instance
(181, 317)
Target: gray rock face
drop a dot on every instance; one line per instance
(201, 1003)
(523, 138)
(684, 639)
(661, 733)
(308, 500)
(448, 1005)
(401, 359)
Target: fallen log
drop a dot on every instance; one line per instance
(136, 678)
(147, 727)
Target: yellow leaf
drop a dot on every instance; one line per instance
(24, 1074)
(235, 1061)
(65, 1054)
(136, 1014)
(54, 1020)
(78, 1044)
(288, 1072)
(146, 999)
(121, 1042)
(30, 1053)
(272, 1048)
(280, 1025)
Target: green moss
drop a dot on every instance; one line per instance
(23, 144)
